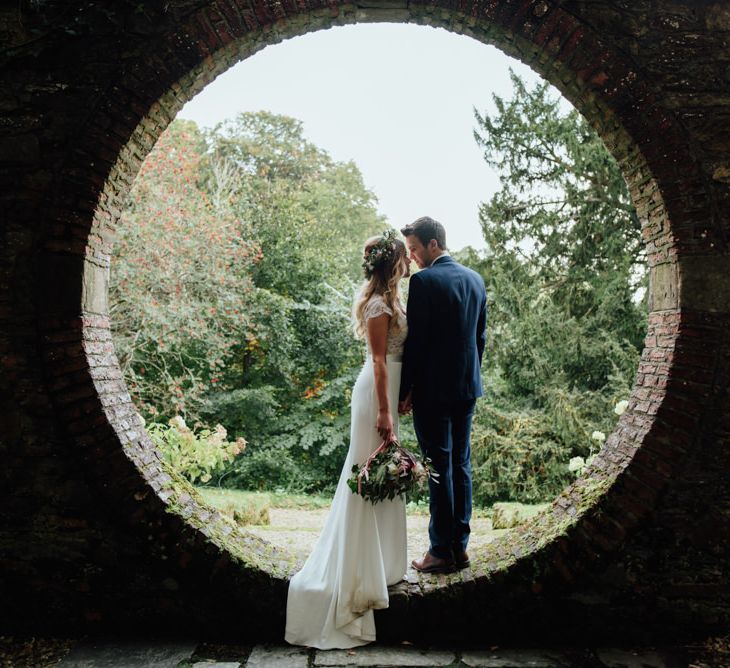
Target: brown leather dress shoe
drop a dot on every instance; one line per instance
(461, 559)
(433, 564)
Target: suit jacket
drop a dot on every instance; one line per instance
(447, 317)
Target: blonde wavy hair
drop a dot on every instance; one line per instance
(384, 281)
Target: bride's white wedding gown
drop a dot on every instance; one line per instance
(362, 548)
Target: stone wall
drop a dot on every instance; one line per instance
(95, 533)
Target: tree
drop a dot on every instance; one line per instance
(181, 283)
(236, 265)
(564, 268)
(310, 216)
(565, 257)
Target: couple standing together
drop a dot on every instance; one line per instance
(426, 360)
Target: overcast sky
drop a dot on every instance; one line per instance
(396, 99)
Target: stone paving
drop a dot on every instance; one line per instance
(149, 654)
(110, 654)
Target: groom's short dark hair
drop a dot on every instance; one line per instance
(425, 229)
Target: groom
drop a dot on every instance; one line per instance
(440, 382)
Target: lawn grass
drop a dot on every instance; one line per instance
(255, 505)
(240, 498)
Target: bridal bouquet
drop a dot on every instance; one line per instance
(390, 470)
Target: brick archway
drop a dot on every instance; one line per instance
(596, 552)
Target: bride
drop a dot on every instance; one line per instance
(362, 548)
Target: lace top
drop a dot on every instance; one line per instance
(398, 329)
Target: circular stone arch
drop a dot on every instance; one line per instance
(540, 569)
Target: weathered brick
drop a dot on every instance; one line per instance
(656, 94)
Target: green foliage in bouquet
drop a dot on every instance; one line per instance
(389, 472)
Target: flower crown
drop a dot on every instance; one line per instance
(381, 251)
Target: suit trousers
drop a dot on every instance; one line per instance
(444, 434)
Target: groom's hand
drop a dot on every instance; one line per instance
(405, 406)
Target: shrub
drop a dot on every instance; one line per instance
(195, 455)
(516, 457)
(266, 468)
(254, 511)
(510, 515)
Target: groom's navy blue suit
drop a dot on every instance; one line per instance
(447, 314)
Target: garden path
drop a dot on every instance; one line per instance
(297, 530)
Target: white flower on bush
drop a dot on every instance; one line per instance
(598, 436)
(240, 445)
(393, 468)
(218, 437)
(620, 407)
(178, 422)
(576, 464)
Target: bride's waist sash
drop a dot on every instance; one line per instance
(389, 357)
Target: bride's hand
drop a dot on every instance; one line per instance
(384, 425)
